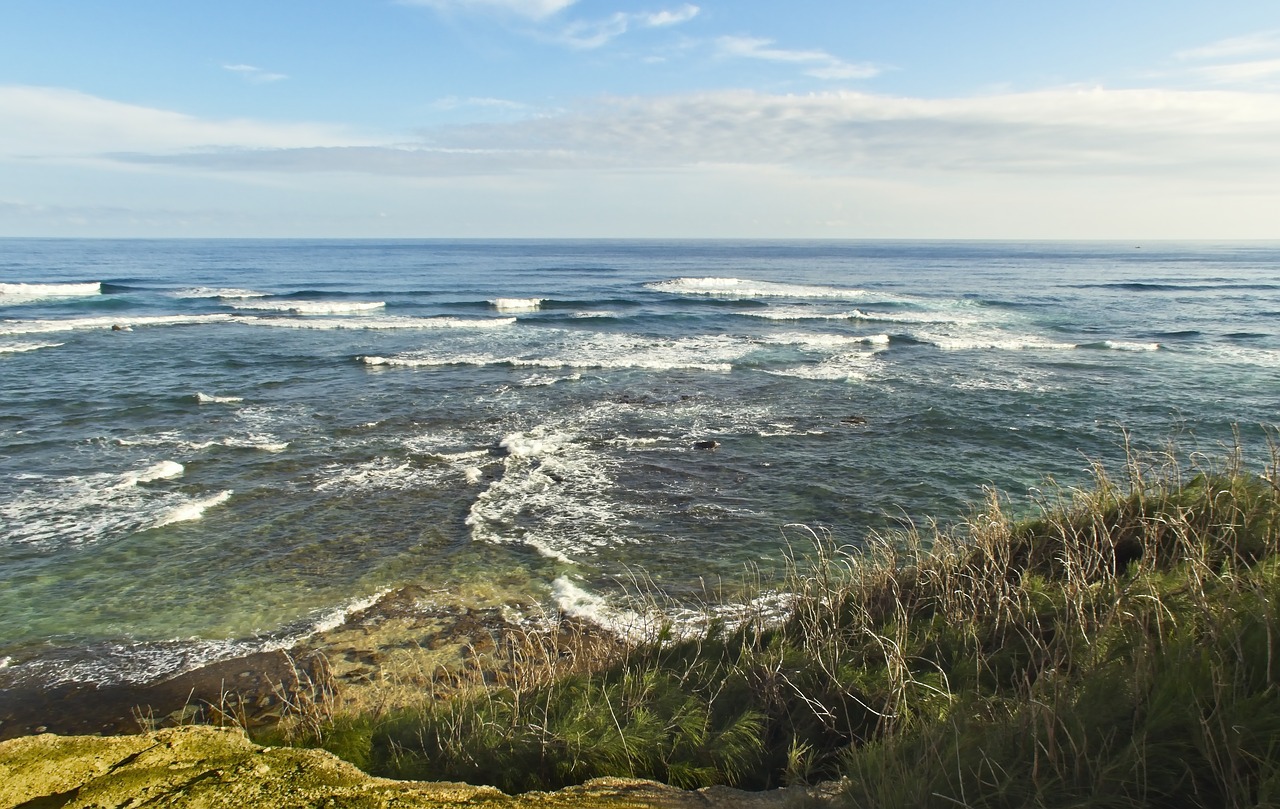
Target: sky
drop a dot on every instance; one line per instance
(984, 119)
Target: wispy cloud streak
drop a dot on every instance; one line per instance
(531, 9)
(820, 64)
(255, 75)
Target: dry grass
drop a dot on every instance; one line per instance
(1114, 649)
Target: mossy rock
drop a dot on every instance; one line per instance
(212, 767)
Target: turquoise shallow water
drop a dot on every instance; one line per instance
(206, 446)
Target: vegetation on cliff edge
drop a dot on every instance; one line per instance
(1120, 648)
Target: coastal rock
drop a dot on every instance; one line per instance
(208, 767)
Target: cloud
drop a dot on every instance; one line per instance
(591, 34)
(254, 75)
(1182, 136)
(450, 103)
(48, 123)
(823, 65)
(532, 9)
(1238, 72)
(664, 18)
(1249, 45)
(1230, 62)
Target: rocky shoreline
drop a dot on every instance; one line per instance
(185, 740)
(395, 650)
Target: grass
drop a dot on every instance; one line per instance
(1118, 648)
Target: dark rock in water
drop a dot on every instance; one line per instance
(854, 420)
(706, 444)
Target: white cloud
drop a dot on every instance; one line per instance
(533, 9)
(590, 34)
(1227, 61)
(1238, 72)
(1192, 135)
(824, 65)
(455, 103)
(1249, 45)
(663, 18)
(254, 75)
(45, 122)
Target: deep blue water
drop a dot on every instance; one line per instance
(205, 445)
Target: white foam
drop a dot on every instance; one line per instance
(848, 367)
(165, 470)
(525, 446)
(90, 323)
(742, 288)
(204, 398)
(50, 290)
(586, 350)
(819, 340)
(472, 474)
(554, 496)
(516, 304)
(383, 323)
(101, 506)
(590, 313)
(218, 292)
(545, 380)
(264, 443)
(575, 602)
(311, 307)
(19, 348)
(1123, 345)
(908, 317)
(385, 474)
(993, 340)
(140, 663)
(188, 512)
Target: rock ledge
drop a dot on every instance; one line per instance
(214, 767)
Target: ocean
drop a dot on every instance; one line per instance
(209, 447)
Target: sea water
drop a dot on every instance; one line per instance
(210, 447)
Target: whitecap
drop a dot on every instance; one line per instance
(587, 350)
(90, 323)
(20, 348)
(217, 292)
(101, 506)
(516, 304)
(204, 398)
(999, 341)
(36, 291)
(188, 512)
(1126, 345)
(310, 307)
(383, 323)
(165, 470)
(820, 340)
(743, 288)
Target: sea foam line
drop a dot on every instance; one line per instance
(19, 348)
(383, 323)
(51, 290)
(218, 292)
(189, 512)
(516, 304)
(310, 307)
(744, 288)
(89, 323)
